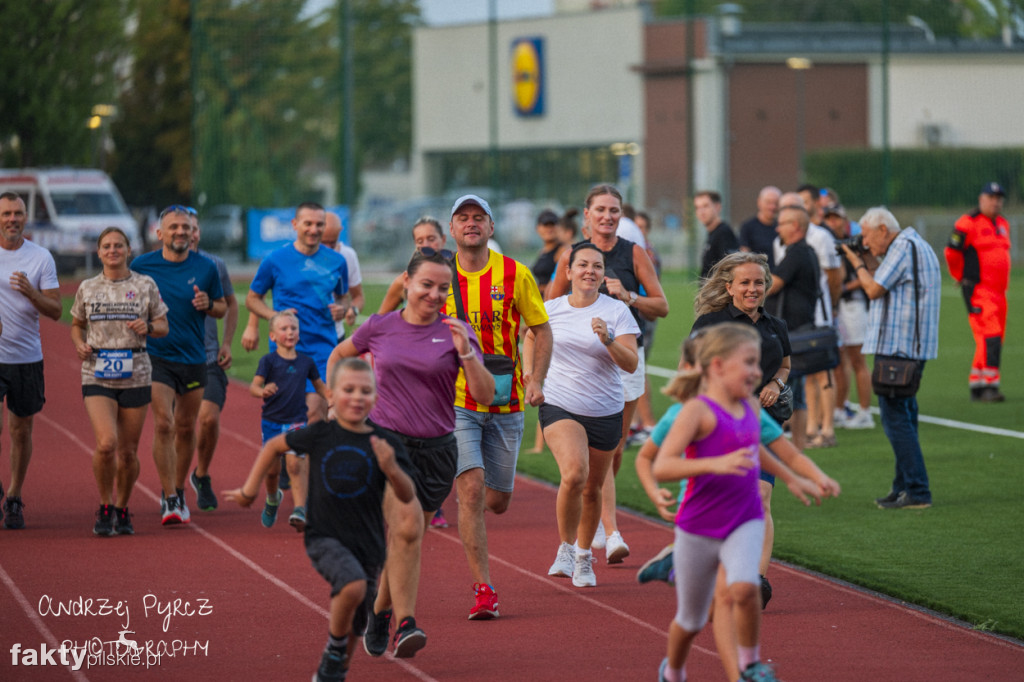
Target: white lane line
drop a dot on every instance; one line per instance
(259, 570)
(36, 620)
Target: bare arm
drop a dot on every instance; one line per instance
(662, 498)
(275, 447)
(479, 381)
(394, 297)
(559, 285)
(653, 303)
(345, 349)
(230, 326)
(358, 303)
(399, 480)
(541, 343)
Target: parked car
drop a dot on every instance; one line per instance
(222, 228)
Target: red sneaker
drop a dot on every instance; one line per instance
(486, 603)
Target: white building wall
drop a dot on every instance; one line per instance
(592, 94)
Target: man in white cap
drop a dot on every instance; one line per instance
(496, 295)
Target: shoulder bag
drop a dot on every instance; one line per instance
(501, 366)
(894, 376)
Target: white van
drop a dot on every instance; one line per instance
(67, 210)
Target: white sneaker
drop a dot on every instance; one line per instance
(599, 537)
(861, 420)
(564, 562)
(171, 515)
(183, 510)
(839, 418)
(583, 570)
(616, 550)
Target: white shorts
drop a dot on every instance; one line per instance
(633, 382)
(852, 322)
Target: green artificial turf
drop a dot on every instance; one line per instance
(962, 557)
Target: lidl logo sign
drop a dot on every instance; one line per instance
(528, 76)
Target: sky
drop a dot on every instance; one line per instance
(440, 12)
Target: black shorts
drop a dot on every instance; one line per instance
(435, 460)
(180, 376)
(22, 387)
(339, 567)
(138, 396)
(216, 389)
(603, 433)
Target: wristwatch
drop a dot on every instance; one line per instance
(632, 298)
(611, 338)
(780, 382)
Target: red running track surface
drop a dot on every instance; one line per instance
(250, 606)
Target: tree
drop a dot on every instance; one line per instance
(60, 58)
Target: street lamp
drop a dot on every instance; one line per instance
(97, 122)
(799, 65)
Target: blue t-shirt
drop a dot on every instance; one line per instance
(288, 405)
(184, 341)
(308, 284)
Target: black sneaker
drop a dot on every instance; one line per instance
(123, 524)
(888, 499)
(378, 632)
(13, 517)
(408, 638)
(104, 521)
(904, 501)
(205, 499)
(766, 592)
(333, 666)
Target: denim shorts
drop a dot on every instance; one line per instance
(490, 442)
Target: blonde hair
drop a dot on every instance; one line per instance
(713, 295)
(284, 314)
(685, 384)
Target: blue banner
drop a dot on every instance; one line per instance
(271, 228)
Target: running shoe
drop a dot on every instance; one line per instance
(486, 606)
(333, 666)
(439, 521)
(183, 508)
(378, 632)
(171, 515)
(123, 521)
(600, 538)
(205, 498)
(860, 420)
(565, 561)
(298, 519)
(14, 518)
(904, 501)
(408, 638)
(583, 570)
(104, 521)
(616, 548)
(758, 672)
(658, 567)
(766, 592)
(661, 670)
(269, 517)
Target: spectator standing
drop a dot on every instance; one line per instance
(905, 290)
(496, 296)
(978, 256)
(190, 286)
(721, 240)
(215, 393)
(543, 268)
(758, 232)
(28, 287)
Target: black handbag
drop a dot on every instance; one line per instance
(782, 409)
(894, 376)
(813, 349)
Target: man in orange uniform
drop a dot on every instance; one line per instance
(978, 255)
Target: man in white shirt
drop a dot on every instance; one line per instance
(332, 240)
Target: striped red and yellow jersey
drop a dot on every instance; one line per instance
(498, 300)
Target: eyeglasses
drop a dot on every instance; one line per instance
(430, 251)
(178, 208)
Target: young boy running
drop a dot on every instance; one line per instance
(281, 382)
(351, 461)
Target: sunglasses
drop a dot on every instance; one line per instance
(178, 208)
(429, 251)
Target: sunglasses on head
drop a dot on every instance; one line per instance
(429, 251)
(178, 208)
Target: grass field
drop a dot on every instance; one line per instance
(962, 557)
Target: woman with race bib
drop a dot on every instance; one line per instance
(112, 315)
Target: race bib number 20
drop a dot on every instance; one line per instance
(113, 364)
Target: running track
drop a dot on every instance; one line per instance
(264, 614)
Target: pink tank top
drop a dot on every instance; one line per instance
(715, 505)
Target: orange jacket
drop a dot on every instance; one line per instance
(978, 252)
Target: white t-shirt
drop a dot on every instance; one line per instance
(583, 378)
(20, 343)
(823, 243)
(355, 278)
(628, 229)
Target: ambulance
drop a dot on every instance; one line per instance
(67, 210)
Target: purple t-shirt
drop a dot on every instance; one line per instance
(715, 505)
(416, 367)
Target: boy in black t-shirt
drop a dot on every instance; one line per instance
(350, 462)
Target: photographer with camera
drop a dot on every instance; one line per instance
(851, 317)
(902, 333)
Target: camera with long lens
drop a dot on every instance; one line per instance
(856, 244)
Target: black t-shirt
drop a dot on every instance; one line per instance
(618, 264)
(346, 486)
(721, 242)
(758, 237)
(543, 268)
(799, 271)
(773, 332)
